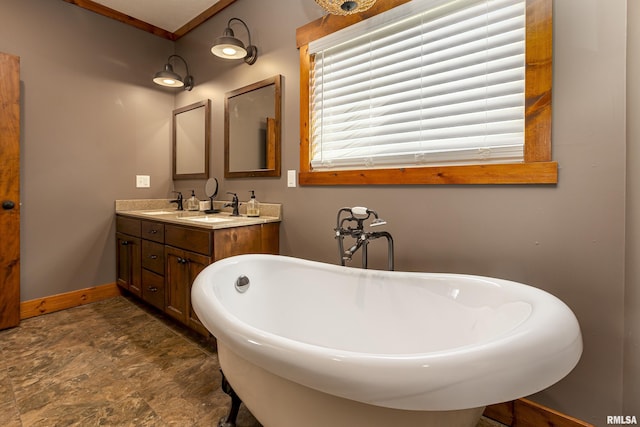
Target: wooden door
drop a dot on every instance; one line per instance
(9, 190)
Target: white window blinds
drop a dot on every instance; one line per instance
(430, 82)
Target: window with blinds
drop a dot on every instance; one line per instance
(430, 82)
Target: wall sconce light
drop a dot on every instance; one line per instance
(342, 7)
(229, 47)
(169, 78)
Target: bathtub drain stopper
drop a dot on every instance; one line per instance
(242, 283)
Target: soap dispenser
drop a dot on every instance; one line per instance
(193, 204)
(253, 207)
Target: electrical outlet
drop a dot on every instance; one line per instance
(291, 178)
(143, 181)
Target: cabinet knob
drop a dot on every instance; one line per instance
(153, 256)
(153, 231)
(152, 289)
(182, 260)
(7, 205)
(124, 243)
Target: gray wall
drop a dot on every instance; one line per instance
(85, 138)
(91, 120)
(631, 402)
(568, 239)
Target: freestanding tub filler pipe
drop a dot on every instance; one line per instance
(358, 215)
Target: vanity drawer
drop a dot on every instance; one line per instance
(128, 226)
(152, 231)
(153, 256)
(199, 241)
(153, 288)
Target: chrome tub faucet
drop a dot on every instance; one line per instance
(359, 215)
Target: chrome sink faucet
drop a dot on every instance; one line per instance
(235, 204)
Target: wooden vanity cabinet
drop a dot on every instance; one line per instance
(158, 261)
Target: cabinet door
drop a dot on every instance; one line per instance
(196, 264)
(182, 267)
(176, 283)
(128, 263)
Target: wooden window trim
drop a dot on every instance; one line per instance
(537, 168)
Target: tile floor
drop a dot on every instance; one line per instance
(113, 363)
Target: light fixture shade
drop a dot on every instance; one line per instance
(168, 77)
(345, 7)
(229, 47)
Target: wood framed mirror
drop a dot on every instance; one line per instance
(252, 123)
(191, 140)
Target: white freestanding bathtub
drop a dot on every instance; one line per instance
(314, 344)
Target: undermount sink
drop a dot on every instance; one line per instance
(207, 219)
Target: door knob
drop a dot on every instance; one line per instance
(8, 205)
